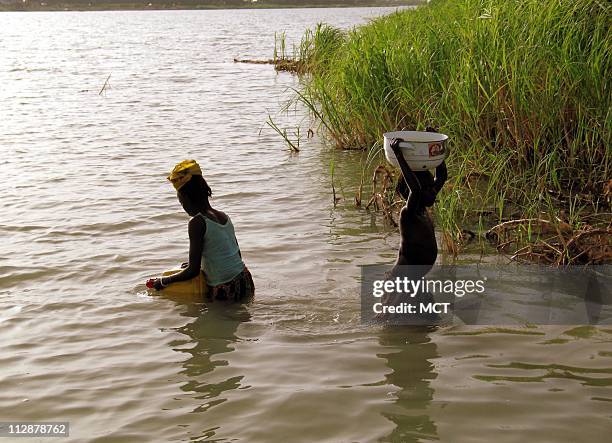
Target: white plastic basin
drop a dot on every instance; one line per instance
(422, 150)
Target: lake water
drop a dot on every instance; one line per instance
(87, 216)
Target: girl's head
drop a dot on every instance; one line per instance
(428, 190)
(191, 189)
(194, 195)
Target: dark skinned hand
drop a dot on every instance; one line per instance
(157, 284)
(154, 283)
(395, 145)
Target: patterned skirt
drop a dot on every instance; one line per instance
(239, 289)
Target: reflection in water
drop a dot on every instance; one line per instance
(213, 332)
(411, 353)
(301, 369)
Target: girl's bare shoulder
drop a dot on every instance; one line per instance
(219, 216)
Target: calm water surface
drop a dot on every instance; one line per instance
(87, 216)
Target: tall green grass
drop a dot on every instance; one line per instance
(522, 87)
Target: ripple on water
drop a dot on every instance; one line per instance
(89, 215)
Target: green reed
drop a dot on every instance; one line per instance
(522, 88)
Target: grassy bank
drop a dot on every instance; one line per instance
(521, 87)
(110, 5)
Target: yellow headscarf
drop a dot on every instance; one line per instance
(183, 172)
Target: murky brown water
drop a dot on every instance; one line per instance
(87, 216)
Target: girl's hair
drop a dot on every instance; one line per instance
(428, 192)
(402, 188)
(196, 189)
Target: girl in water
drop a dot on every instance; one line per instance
(418, 245)
(213, 247)
(418, 248)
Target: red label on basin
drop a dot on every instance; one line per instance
(436, 149)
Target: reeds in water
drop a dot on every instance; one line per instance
(521, 87)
